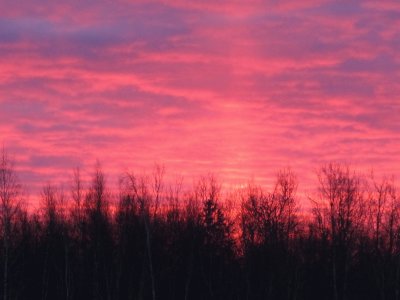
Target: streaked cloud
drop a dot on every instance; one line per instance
(239, 89)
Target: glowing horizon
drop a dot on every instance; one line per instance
(239, 89)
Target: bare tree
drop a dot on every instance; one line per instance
(10, 191)
(140, 190)
(77, 193)
(99, 227)
(172, 198)
(268, 225)
(157, 185)
(50, 220)
(383, 226)
(271, 217)
(97, 197)
(340, 213)
(284, 196)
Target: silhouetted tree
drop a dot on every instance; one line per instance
(55, 277)
(382, 225)
(99, 235)
(10, 190)
(152, 240)
(268, 226)
(339, 213)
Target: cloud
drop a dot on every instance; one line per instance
(241, 89)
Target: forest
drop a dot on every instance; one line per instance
(152, 240)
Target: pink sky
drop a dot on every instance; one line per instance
(237, 88)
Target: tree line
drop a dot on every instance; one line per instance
(153, 241)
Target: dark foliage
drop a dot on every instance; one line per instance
(157, 243)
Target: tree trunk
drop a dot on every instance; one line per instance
(148, 246)
(334, 275)
(5, 274)
(66, 274)
(189, 277)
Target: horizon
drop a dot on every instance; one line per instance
(231, 194)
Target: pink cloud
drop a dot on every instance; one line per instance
(233, 88)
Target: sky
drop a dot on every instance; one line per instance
(240, 89)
